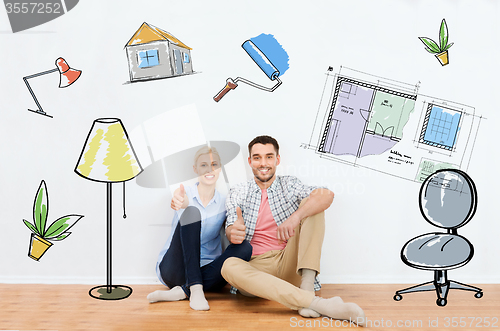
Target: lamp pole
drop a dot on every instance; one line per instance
(109, 234)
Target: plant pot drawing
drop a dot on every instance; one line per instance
(38, 247)
(40, 234)
(440, 50)
(442, 57)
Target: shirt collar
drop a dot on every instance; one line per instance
(272, 188)
(275, 184)
(215, 198)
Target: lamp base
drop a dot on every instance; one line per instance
(41, 113)
(117, 292)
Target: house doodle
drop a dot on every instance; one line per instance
(153, 53)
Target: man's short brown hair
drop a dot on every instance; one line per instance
(264, 140)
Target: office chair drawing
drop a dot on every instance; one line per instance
(448, 200)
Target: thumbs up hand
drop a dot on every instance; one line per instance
(180, 199)
(237, 234)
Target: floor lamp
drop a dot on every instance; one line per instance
(67, 76)
(108, 157)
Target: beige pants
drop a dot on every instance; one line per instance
(275, 275)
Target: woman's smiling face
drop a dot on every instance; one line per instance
(207, 168)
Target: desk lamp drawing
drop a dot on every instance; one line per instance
(448, 200)
(67, 76)
(259, 48)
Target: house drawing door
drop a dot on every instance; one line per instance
(178, 62)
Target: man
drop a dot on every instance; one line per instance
(284, 221)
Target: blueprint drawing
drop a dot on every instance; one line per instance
(385, 125)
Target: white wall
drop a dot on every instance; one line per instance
(373, 214)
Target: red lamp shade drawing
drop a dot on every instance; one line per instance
(67, 76)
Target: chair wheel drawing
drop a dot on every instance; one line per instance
(448, 200)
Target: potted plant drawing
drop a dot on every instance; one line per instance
(58, 230)
(440, 50)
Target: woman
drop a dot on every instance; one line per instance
(191, 260)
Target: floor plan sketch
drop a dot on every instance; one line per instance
(365, 119)
(386, 125)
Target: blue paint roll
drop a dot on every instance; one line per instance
(261, 59)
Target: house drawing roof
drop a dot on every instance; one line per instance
(148, 33)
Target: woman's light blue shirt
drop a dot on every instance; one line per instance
(212, 217)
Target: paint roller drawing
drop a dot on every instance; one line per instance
(263, 62)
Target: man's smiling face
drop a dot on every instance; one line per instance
(263, 161)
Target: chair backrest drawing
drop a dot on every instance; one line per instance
(448, 199)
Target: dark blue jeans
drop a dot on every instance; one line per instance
(180, 265)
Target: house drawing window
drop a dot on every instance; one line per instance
(186, 57)
(148, 58)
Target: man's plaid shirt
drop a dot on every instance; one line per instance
(285, 195)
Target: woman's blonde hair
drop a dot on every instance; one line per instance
(206, 150)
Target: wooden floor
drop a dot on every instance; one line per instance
(69, 307)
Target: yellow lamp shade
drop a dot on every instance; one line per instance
(107, 155)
